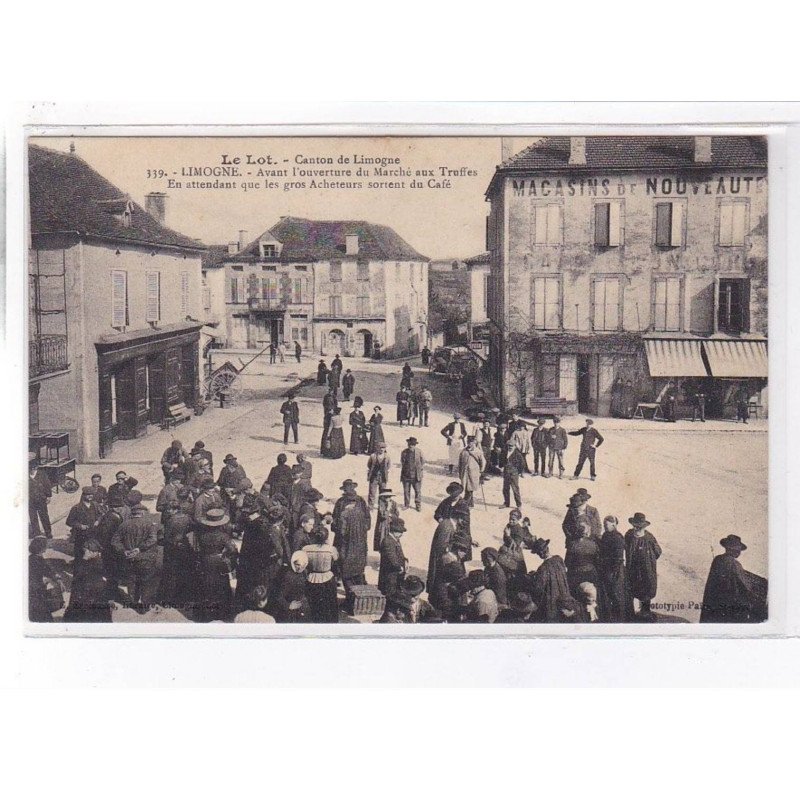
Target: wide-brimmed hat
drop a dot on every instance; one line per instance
(229, 457)
(454, 487)
(539, 547)
(638, 520)
(312, 495)
(397, 526)
(208, 482)
(348, 484)
(377, 408)
(541, 421)
(413, 585)
(412, 440)
(386, 493)
(213, 517)
(733, 542)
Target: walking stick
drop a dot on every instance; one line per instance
(483, 494)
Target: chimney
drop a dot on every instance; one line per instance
(702, 149)
(242, 240)
(351, 244)
(577, 151)
(233, 247)
(155, 204)
(506, 148)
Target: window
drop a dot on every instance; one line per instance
(732, 222)
(184, 293)
(546, 303)
(733, 305)
(119, 298)
(268, 250)
(362, 305)
(269, 288)
(608, 224)
(237, 290)
(607, 301)
(547, 224)
(669, 224)
(299, 290)
(152, 307)
(667, 303)
(363, 270)
(335, 305)
(336, 271)
(486, 293)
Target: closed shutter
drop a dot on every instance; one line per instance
(673, 304)
(738, 223)
(153, 297)
(676, 225)
(568, 377)
(614, 224)
(184, 294)
(726, 224)
(140, 395)
(663, 224)
(119, 298)
(540, 225)
(553, 224)
(601, 224)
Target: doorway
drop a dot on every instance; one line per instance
(584, 385)
(365, 343)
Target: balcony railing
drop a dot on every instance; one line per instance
(47, 353)
(266, 304)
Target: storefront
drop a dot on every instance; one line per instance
(141, 374)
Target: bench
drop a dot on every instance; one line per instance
(175, 415)
(657, 412)
(547, 407)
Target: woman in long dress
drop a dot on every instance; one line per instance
(376, 436)
(333, 439)
(358, 429)
(321, 586)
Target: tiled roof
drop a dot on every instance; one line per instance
(620, 153)
(474, 261)
(324, 240)
(214, 256)
(67, 195)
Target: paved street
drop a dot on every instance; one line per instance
(696, 483)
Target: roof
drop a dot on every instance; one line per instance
(479, 260)
(625, 153)
(68, 196)
(214, 256)
(324, 240)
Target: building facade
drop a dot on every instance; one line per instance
(114, 308)
(479, 275)
(333, 286)
(629, 259)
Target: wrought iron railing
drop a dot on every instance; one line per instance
(47, 353)
(266, 304)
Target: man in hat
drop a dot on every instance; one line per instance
(174, 459)
(482, 602)
(348, 384)
(136, 546)
(514, 467)
(641, 554)
(232, 474)
(82, 520)
(412, 465)
(40, 490)
(456, 508)
(471, 466)
(496, 578)
(279, 481)
(199, 451)
(578, 512)
(590, 441)
(518, 433)
(90, 592)
(118, 492)
(540, 441)
(322, 372)
(557, 444)
(100, 492)
(168, 496)
(549, 583)
(209, 497)
(500, 442)
(297, 494)
(298, 350)
(378, 465)
(351, 521)
(290, 411)
(393, 560)
(732, 594)
(425, 402)
(217, 557)
(522, 609)
(455, 433)
(308, 468)
(387, 511)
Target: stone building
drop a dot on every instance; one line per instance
(629, 258)
(333, 286)
(479, 275)
(114, 307)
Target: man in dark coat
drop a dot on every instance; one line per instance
(732, 594)
(40, 490)
(174, 460)
(615, 600)
(540, 441)
(641, 554)
(348, 384)
(549, 583)
(578, 511)
(393, 560)
(329, 403)
(279, 481)
(82, 520)
(558, 444)
(496, 578)
(100, 492)
(232, 474)
(290, 411)
(412, 466)
(179, 577)
(590, 441)
(136, 545)
(456, 508)
(322, 373)
(378, 466)
(118, 492)
(351, 522)
(90, 593)
(168, 496)
(199, 451)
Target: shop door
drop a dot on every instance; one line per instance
(276, 331)
(584, 385)
(126, 401)
(33, 408)
(365, 343)
(106, 414)
(567, 378)
(189, 357)
(157, 386)
(173, 376)
(549, 380)
(140, 394)
(605, 382)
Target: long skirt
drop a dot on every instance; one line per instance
(333, 444)
(376, 438)
(359, 441)
(322, 600)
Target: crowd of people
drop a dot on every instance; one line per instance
(226, 549)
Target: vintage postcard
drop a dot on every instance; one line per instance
(500, 384)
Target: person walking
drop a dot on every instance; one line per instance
(413, 407)
(412, 466)
(359, 441)
(40, 490)
(513, 468)
(376, 437)
(272, 352)
(351, 521)
(378, 466)
(298, 351)
(699, 406)
(641, 555)
(471, 466)
(407, 376)
(743, 406)
(329, 402)
(557, 445)
(403, 401)
(393, 561)
(590, 441)
(455, 433)
(333, 443)
(540, 441)
(348, 384)
(290, 411)
(425, 401)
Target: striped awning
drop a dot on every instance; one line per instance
(675, 358)
(740, 359)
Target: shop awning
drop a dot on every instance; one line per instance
(739, 359)
(675, 358)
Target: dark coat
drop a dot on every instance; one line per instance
(393, 565)
(376, 436)
(497, 581)
(540, 438)
(613, 594)
(322, 374)
(581, 562)
(82, 519)
(90, 593)
(351, 521)
(280, 480)
(641, 554)
(287, 600)
(591, 438)
(38, 574)
(549, 587)
(359, 442)
(558, 438)
(412, 464)
(460, 513)
(571, 520)
(348, 383)
(290, 411)
(40, 490)
(730, 594)
(231, 477)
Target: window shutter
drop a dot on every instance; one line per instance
(119, 298)
(726, 224)
(676, 226)
(614, 224)
(673, 303)
(553, 224)
(612, 303)
(540, 225)
(660, 304)
(745, 305)
(184, 293)
(663, 224)
(738, 223)
(153, 299)
(601, 224)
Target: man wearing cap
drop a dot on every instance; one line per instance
(100, 492)
(412, 465)
(351, 521)
(641, 554)
(393, 560)
(136, 546)
(118, 492)
(378, 465)
(471, 466)
(40, 490)
(174, 459)
(540, 441)
(168, 496)
(82, 520)
(290, 411)
(590, 441)
(199, 451)
(557, 445)
(387, 511)
(209, 497)
(731, 593)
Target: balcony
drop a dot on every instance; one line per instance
(47, 354)
(264, 304)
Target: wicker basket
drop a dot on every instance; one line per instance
(366, 601)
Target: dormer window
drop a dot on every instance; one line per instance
(120, 208)
(269, 250)
(127, 214)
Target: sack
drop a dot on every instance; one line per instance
(55, 597)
